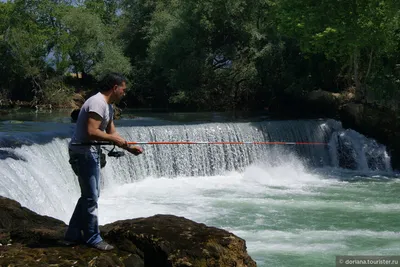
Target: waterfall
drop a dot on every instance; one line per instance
(34, 166)
(38, 176)
(209, 160)
(351, 150)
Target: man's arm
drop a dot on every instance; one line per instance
(111, 128)
(136, 150)
(95, 133)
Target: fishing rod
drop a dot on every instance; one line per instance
(103, 143)
(118, 154)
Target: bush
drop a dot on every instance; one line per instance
(4, 97)
(57, 93)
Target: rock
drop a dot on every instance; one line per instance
(24, 226)
(77, 101)
(160, 240)
(320, 101)
(117, 112)
(4, 112)
(309, 104)
(176, 241)
(375, 122)
(43, 107)
(352, 113)
(324, 96)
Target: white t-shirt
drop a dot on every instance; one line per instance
(97, 104)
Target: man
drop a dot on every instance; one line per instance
(94, 123)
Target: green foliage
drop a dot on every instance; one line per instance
(90, 48)
(84, 38)
(25, 45)
(356, 34)
(201, 55)
(112, 61)
(27, 50)
(106, 10)
(57, 93)
(5, 12)
(197, 46)
(5, 15)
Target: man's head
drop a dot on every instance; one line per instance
(114, 84)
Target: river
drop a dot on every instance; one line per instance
(295, 205)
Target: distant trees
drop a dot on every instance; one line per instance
(201, 55)
(361, 36)
(43, 40)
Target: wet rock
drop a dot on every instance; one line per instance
(375, 122)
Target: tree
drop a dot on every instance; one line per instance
(105, 9)
(89, 46)
(354, 33)
(5, 14)
(202, 50)
(27, 43)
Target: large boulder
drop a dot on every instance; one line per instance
(77, 101)
(29, 239)
(320, 100)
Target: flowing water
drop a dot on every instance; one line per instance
(295, 205)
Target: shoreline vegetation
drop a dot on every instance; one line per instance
(209, 56)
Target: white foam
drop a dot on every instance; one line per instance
(39, 179)
(195, 196)
(275, 189)
(307, 241)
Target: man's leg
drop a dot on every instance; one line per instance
(89, 182)
(74, 233)
(90, 194)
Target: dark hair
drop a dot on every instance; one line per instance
(111, 79)
(75, 114)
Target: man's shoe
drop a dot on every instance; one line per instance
(103, 245)
(68, 242)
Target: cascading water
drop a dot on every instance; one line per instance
(209, 160)
(352, 150)
(270, 195)
(35, 169)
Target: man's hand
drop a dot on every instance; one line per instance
(119, 141)
(135, 150)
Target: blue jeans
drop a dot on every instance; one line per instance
(84, 219)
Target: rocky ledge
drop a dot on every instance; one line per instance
(29, 239)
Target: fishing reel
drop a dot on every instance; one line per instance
(115, 154)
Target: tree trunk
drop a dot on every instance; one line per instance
(359, 92)
(369, 65)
